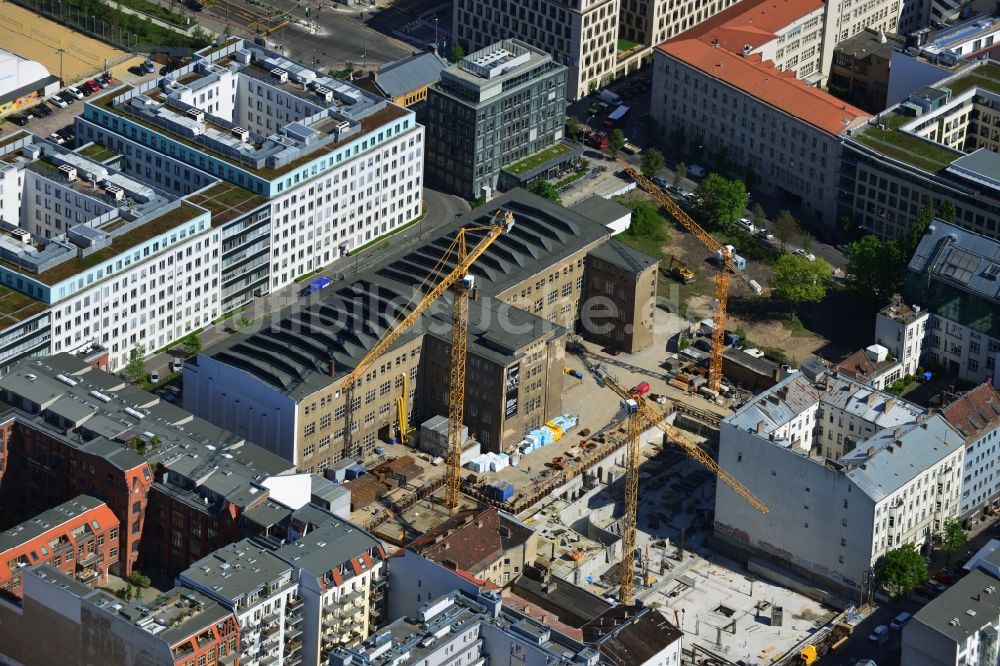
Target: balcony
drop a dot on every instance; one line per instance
(294, 604)
(88, 576)
(292, 647)
(271, 630)
(292, 632)
(89, 559)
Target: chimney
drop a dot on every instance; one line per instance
(888, 405)
(871, 451)
(760, 427)
(872, 398)
(896, 433)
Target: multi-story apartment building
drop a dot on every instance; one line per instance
(261, 591)
(78, 538)
(491, 545)
(725, 101)
(72, 429)
(902, 330)
(80, 625)
(342, 575)
(281, 386)
(939, 145)
(459, 628)
(847, 471)
(860, 69)
(498, 105)
(953, 276)
(962, 626)
(847, 18)
(332, 166)
(976, 416)
(98, 258)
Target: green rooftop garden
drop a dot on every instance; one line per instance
(227, 201)
(15, 306)
(538, 159)
(921, 153)
(97, 152)
(985, 76)
(626, 45)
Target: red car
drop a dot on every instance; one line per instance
(598, 140)
(92, 84)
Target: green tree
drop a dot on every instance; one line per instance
(457, 52)
(135, 370)
(875, 269)
(758, 216)
(138, 580)
(680, 174)
(616, 141)
(243, 322)
(544, 188)
(948, 212)
(646, 220)
(798, 280)
(191, 344)
(918, 229)
(902, 569)
(786, 228)
(652, 162)
(723, 200)
(952, 537)
(573, 128)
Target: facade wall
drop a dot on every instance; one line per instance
(245, 259)
(799, 47)
(961, 351)
(922, 644)
(50, 473)
(554, 294)
(49, 208)
(415, 580)
(787, 155)
(981, 479)
(621, 305)
(846, 18)
(904, 340)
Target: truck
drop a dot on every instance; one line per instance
(610, 97)
(317, 284)
(832, 642)
(681, 271)
(619, 115)
(639, 390)
(630, 148)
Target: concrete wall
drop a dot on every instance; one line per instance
(926, 646)
(415, 580)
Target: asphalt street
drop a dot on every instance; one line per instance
(441, 209)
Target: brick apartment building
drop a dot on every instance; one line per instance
(78, 538)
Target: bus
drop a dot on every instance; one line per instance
(619, 115)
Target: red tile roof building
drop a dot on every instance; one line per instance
(79, 538)
(976, 416)
(719, 86)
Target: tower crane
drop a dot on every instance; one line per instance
(644, 414)
(460, 282)
(721, 280)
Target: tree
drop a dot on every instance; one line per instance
(875, 269)
(646, 220)
(573, 128)
(680, 174)
(243, 322)
(948, 212)
(786, 228)
(544, 188)
(191, 344)
(902, 569)
(723, 200)
(135, 370)
(952, 537)
(918, 229)
(799, 280)
(140, 581)
(457, 52)
(652, 162)
(616, 141)
(758, 217)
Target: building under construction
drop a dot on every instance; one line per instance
(281, 386)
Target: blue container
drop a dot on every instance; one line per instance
(354, 471)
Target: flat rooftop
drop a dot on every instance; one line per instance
(172, 617)
(226, 201)
(236, 570)
(54, 518)
(333, 112)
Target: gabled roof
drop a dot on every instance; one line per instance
(974, 414)
(398, 78)
(630, 635)
(469, 540)
(752, 22)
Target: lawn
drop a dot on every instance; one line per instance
(650, 246)
(984, 76)
(539, 158)
(905, 147)
(626, 45)
(97, 152)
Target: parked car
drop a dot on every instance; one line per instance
(809, 256)
(86, 90)
(176, 366)
(898, 621)
(20, 120)
(75, 92)
(58, 101)
(41, 111)
(661, 181)
(55, 138)
(66, 134)
(746, 225)
(66, 97)
(154, 377)
(166, 395)
(762, 232)
(880, 634)
(696, 171)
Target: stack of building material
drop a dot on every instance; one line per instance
(365, 490)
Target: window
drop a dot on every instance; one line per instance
(324, 422)
(310, 429)
(137, 507)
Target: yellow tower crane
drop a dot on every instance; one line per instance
(460, 282)
(721, 280)
(638, 418)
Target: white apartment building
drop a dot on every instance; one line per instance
(846, 18)
(338, 166)
(870, 473)
(901, 329)
(261, 591)
(766, 120)
(111, 261)
(342, 577)
(976, 416)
